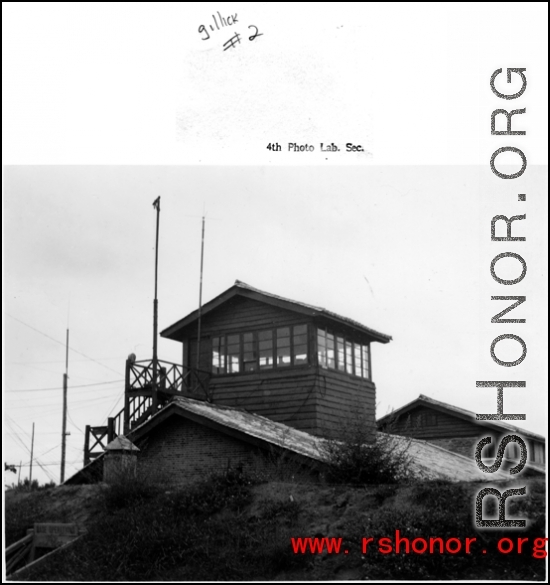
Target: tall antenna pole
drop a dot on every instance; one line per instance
(32, 456)
(200, 299)
(64, 422)
(156, 205)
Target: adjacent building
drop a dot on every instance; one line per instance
(457, 430)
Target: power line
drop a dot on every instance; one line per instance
(49, 433)
(73, 376)
(9, 422)
(49, 464)
(73, 423)
(114, 404)
(59, 388)
(105, 359)
(61, 343)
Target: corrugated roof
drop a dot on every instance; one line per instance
(434, 462)
(428, 460)
(256, 426)
(240, 286)
(462, 413)
(431, 461)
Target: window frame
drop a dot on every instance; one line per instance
(345, 347)
(222, 342)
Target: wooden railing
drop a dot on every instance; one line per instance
(19, 552)
(143, 397)
(23, 553)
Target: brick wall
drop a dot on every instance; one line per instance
(183, 452)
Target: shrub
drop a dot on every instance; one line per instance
(356, 457)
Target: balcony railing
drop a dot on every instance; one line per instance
(144, 395)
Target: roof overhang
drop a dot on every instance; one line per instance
(240, 289)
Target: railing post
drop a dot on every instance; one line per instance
(87, 446)
(127, 398)
(154, 386)
(110, 429)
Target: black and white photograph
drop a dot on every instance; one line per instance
(270, 320)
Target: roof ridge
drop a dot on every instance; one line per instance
(464, 412)
(244, 285)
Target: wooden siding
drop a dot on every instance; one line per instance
(345, 403)
(287, 396)
(241, 314)
(454, 433)
(446, 425)
(307, 397)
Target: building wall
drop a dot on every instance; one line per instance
(183, 452)
(456, 434)
(242, 314)
(345, 404)
(287, 396)
(307, 397)
(423, 422)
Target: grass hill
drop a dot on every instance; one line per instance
(233, 528)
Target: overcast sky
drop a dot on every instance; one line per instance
(404, 250)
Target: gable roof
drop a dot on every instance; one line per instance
(236, 422)
(432, 461)
(244, 290)
(462, 413)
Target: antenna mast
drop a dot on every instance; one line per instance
(32, 457)
(156, 205)
(64, 422)
(200, 299)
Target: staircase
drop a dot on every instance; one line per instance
(147, 390)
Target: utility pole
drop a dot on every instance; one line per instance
(200, 300)
(32, 455)
(156, 205)
(64, 422)
(19, 476)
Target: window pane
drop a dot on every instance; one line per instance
(321, 348)
(300, 344)
(218, 355)
(249, 359)
(340, 353)
(512, 451)
(331, 357)
(283, 346)
(366, 370)
(349, 358)
(265, 345)
(357, 356)
(233, 354)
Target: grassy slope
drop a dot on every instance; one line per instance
(229, 529)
